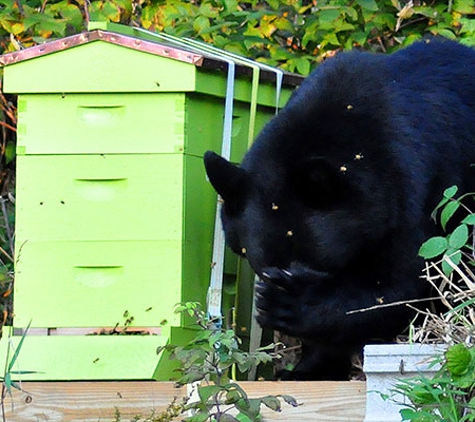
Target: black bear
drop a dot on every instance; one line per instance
(333, 200)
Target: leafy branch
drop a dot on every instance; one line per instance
(206, 362)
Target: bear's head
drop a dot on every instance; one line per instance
(312, 191)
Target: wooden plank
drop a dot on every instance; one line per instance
(321, 401)
(100, 401)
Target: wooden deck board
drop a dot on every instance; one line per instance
(98, 401)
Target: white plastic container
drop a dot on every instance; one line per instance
(384, 366)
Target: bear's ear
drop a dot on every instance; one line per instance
(319, 182)
(227, 179)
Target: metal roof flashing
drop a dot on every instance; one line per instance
(163, 48)
(138, 44)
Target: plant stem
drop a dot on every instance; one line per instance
(7, 224)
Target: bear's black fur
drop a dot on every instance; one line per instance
(333, 200)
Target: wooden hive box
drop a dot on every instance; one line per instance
(114, 215)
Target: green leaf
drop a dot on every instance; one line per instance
(368, 4)
(421, 394)
(18, 349)
(200, 24)
(418, 415)
(233, 396)
(289, 400)
(433, 247)
(206, 391)
(464, 6)
(459, 237)
(341, 26)
(471, 403)
(454, 255)
(207, 10)
(468, 26)
(231, 5)
(104, 11)
(359, 37)
(351, 13)
(447, 212)
(408, 414)
(447, 195)
(272, 402)
(72, 14)
(241, 417)
(284, 24)
(458, 359)
(191, 376)
(9, 152)
(331, 38)
(328, 15)
(470, 220)
(443, 32)
(7, 381)
(450, 192)
(249, 407)
(303, 66)
(235, 386)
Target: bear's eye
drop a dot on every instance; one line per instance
(319, 183)
(233, 208)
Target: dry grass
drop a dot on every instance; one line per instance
(455, 321)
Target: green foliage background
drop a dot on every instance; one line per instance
(294, 35)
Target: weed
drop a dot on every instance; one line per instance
(206, 363)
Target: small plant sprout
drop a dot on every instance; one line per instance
(10, 363)
(451, 247)
(207, 361)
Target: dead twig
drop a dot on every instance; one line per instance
(388, 305)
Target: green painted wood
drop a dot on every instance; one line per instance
(99, 67)
(199, 204)
(92, 283)
(102, 67)
(94, 357)
(93, 197)
(129, 123)
(65, 358)
(213, 83)
(99, 223)
(204, 120)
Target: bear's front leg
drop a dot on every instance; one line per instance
(300, 302)
(286, 300)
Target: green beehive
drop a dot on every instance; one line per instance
(115, 217)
